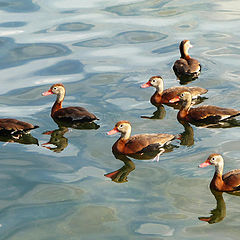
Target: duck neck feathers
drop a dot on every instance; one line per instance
(58, 103)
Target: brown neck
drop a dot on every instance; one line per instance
(57, 105)
(184, 53)
(217, 182)
(184, 109)
(156, 98)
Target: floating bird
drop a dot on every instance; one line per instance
(14, 127)
(228, 182)
(202, 115)
(162, 96)
(186, 68)
(71, 115)
(138, 144)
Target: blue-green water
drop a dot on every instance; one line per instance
(102, 51)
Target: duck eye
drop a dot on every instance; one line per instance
(55, 88)
(153, 80)
(121, 126)
(213, 159)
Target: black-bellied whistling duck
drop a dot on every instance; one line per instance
(202, 115)
(68, 114)
(229, 182)
(186, 66)
(164, 96)
(14, 127)
(138, 144)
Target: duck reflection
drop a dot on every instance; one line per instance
(120, 175)
(229, 123)
(57, 139)
(22, 139)
(185, 78)
(187, 137)
(159, 114)
(77, 125)
(219, 213)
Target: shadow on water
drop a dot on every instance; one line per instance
(120, 175)
(81, 125)
(218, 213)
(57, 136)
(187, 137)
(160, 113)
(23, 139)
(57, 139)
(185, 79)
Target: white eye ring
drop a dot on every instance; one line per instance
(153, 80)
(121, 126)
(55, 88)
(213, 158)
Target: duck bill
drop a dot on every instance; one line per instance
(44, 144)
(205, 219)
(173, 100)
(113, 131)
(49, 92)
(205, 164)
(146, 85)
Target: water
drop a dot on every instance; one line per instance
(102, 51)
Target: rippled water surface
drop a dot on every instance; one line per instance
(102, 51)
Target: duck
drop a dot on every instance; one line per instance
(140, 143)
(15, 128)
(164, 96)
(186, 66)
(228, 182)
(202, 115)
(67, 114)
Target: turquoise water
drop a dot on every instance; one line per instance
(102, 51)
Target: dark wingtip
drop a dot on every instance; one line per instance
(36, 126)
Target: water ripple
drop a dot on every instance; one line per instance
(129, 37)
(14, 54)
(23, 6)
(12, 24)
(62, 68)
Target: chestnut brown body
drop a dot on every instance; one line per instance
(14, 126)
(68, 114)
(229, 182)
(186, 65)
(205, 114)
(138, 143)
(162, 96)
